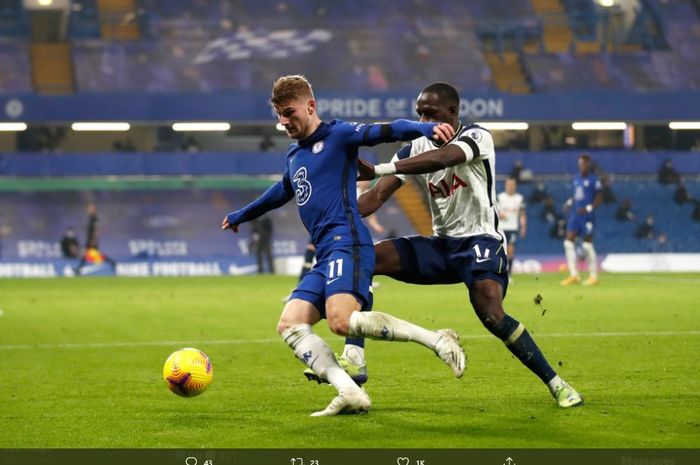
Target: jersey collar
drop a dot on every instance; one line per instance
(320, 132)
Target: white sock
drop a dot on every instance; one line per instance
(570, 252)
(355, 354)
(315, 353)
(555, 383)
(592, 260)
(384, 327)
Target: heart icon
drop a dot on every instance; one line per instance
(402, 461)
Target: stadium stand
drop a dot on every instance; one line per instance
(15, 69)
(134, 219)
(13, 20)
(515, 47)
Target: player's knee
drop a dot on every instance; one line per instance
(283, 326)
(285, 323)
(386, 258)
(339, 324)
(491, 316)
(492, 321)
(487, 302)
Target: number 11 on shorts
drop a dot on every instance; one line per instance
(335, 266)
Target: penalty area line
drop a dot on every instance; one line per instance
(110, 345)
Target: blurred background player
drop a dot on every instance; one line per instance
(92, 253)
(511, 213)
(587, 197)
(261, 243)
(467, 245)
(320, 171)
(70, 247)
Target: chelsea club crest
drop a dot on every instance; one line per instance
(317, 147)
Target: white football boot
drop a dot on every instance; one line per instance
(355, 401)
(450, 352)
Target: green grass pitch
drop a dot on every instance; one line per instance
(82, 360)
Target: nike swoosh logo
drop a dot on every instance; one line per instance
(331, 281)
(89, 269)
(481, 260)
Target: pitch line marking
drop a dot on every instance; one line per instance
(109, 345)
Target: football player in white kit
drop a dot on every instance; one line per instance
(511, 212)
(468, 242)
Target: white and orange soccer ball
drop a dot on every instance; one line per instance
(188, 372)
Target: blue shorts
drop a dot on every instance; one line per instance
(342, 270)
(581, 225)
(511, 237)
(451, 260)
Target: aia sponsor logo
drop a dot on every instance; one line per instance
(443, 189)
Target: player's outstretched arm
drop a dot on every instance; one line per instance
(400, 130)
(276, 196)
(426, 162)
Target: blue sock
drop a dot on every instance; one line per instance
(355, 341)
(521, 344)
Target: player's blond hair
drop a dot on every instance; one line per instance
(290, 87)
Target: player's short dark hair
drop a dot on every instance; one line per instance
(585, 156)
(290, 87)
(444, 91)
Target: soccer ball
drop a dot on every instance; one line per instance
(188, 372)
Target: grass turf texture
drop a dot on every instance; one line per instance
(82, 365)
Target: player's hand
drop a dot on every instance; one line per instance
(443, 132)
(226, 225)
(581, 211)
(365, 170)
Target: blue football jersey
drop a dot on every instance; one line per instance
(322, 170)
(321, 173)
(585, 189)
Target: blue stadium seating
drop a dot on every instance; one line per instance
(15, 70)
(216, 45)
(13, 19)
(84, 21)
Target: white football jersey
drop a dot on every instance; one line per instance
(462, 197)
(509, 208)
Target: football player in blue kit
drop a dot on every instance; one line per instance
(320, 172)
(587, 197)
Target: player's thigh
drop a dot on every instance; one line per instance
(511, 239)
(575, 227)
(348, 270)
(297, 312)
(312, 289)
(423, 261)
(478, 258)
(387, 260)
